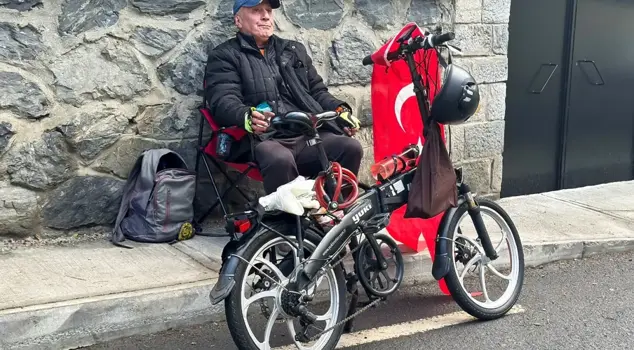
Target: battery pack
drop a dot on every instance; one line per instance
(394, 193)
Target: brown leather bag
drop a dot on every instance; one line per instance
(433, 189)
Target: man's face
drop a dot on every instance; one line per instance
(257, 20)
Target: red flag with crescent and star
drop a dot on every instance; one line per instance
(397, 123)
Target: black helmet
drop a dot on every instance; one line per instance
(458, 98)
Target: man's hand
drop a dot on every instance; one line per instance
(350, 132)
(260, 121)
(351, 123)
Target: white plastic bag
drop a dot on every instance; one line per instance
(292, 197)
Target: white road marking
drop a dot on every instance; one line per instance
(405, 329)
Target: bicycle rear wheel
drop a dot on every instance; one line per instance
(466, 249)
(259, 287)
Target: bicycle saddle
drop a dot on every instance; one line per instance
(298, 122)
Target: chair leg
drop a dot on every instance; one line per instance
(220, 197)
(215, 186)
(234, 184)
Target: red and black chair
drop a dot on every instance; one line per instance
(207, 153)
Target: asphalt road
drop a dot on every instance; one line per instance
(582, 304)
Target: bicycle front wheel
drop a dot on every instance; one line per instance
(470, 260)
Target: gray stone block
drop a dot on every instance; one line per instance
(107, 70)
(496, 174)
(365, 137)
(78, 16)
(167, 7)
(185, 71)
(365, 112)
(154, 42)
(492, 103)
(21, 5)
(477, 174)
(484, 140)
(6, 133)
(41, 163)
(170, 121)
(496, 101)
(380, 14)
(83, 201)
(496, 11)
(500, 39)
(456, 142)
(20, 43)
(310, 14)
(492, 69)
(468, 11)
(93, 130)
(474, 39)
(22, 96)
(18, 211)
(430, 12)
(347, 53)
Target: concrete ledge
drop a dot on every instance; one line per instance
(542, 253)
(593, 248)
(88, 321)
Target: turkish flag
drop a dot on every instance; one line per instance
(398, 123)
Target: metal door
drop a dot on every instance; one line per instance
(600, 124)
(535, 89)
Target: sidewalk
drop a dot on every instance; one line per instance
(66, 297)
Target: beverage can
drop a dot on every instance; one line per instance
(263, 107)
(223, 147)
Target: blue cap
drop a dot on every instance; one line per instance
(251, 3)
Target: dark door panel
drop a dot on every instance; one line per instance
(600, 125)
(534, 91)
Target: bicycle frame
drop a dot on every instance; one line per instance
(379, 199)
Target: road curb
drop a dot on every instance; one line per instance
(84, 322)
(88, 321)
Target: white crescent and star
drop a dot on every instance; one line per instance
(405, 94)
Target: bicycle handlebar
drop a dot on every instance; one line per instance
(430, 41)
(327, 115)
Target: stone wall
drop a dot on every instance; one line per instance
(481, 28)
(88, 84)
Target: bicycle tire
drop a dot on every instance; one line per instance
(460, 296)
(233, 309)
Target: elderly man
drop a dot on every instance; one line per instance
(258, 68)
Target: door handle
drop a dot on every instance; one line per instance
(601, 82)
(554, 68)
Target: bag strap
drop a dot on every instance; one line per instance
(117, 234)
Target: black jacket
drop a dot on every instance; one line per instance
(238, 77)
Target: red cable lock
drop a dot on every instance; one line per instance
(341, 174)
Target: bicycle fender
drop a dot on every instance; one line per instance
(230, 262)
(225, 283)
(442, 258)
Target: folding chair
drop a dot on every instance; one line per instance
(207, 152)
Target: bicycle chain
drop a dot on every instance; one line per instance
(364, 309)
